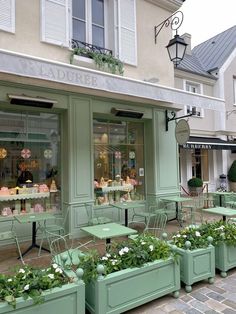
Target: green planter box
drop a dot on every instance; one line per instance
(69, 299)
(196, 265)
(129, 288)
(225, 258)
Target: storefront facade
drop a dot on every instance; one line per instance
(81, 141)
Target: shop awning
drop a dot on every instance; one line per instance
(209, 143)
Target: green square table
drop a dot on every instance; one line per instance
(126, 206)
(223, 211)
(108, 231)
(221, 195)
(33, 218)
(178, 200)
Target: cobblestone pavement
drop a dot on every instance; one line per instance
(219, 297)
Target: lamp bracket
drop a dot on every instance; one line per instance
(174, 21)
(173, 116)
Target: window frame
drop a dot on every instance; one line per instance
(188, 108)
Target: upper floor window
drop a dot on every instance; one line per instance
(104, 23)
(7, 15)
(88, 21)
(234, 90)
(193, 88)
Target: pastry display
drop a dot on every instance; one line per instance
(53, 187)
(4, 191)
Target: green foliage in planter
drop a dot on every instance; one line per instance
(102, 60)
(232, 172)
(220, 231)
(193, 234)
(127, 254)
(30, 282)
(195, 182)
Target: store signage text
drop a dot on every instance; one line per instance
(57, 73)
(193, 146)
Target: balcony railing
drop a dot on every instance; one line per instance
(90, 47)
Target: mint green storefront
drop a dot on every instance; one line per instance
(80, 96)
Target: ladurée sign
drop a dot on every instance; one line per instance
(57, 73)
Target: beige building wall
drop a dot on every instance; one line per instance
(153, 61)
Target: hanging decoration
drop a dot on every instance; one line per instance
(102, 155)
(132, 155)
(118, 155)
(47, 153)
(26, 153)
(3, 153)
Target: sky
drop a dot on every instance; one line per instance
(204, 19)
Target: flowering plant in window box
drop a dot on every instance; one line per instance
(224, 240)
(129, 274)
(29, 286)
(197, 256)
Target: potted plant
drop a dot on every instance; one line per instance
(195, 186)
(129, 274)
(50, 288)
(232, 176)
(197, 256)
(224, 240)
(105, 62)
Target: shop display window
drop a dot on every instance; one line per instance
(29, 162)
(118, 161)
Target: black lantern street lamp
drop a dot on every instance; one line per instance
(176, 49)
(177, 46)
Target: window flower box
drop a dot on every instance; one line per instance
(197, 257)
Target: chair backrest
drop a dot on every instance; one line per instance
(156, 224)
(61, 245)
(6, 235)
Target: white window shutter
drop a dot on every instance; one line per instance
(127, 31)
(55, 22)
(7, 15)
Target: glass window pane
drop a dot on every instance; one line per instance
(118, 161)
(98, 12)
(78, 30)
(98, 36)
(30, 151)
(78, 9)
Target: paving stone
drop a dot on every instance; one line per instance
(229, 311)
(192, 311)
(217, 306)
(215, 296)
(201, 306)
(217, 289)
(211, 312)
(230, 296)
(199, 296)
(181, 306)
(230, 303)
(186, 298)
(229, 287)
(203, 290)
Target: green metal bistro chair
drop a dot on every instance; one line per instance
(145, 216)
(9, 235)
(156, 225)
(99, 215)
(48, 229)
(65, 250)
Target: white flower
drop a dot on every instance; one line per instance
(151, 247)
(184, 236)
(126, 249)
(51, 276)
(104, 258)
(121, 252)
(9, 280)
(143, 242)
(197, 234)
(108, 255)
(58, 270)
(178, 235)
(54, 265)
(24, 277)
(174, 236)
(21, 270)
(26, 287)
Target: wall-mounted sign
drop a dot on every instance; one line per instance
(182, 132)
